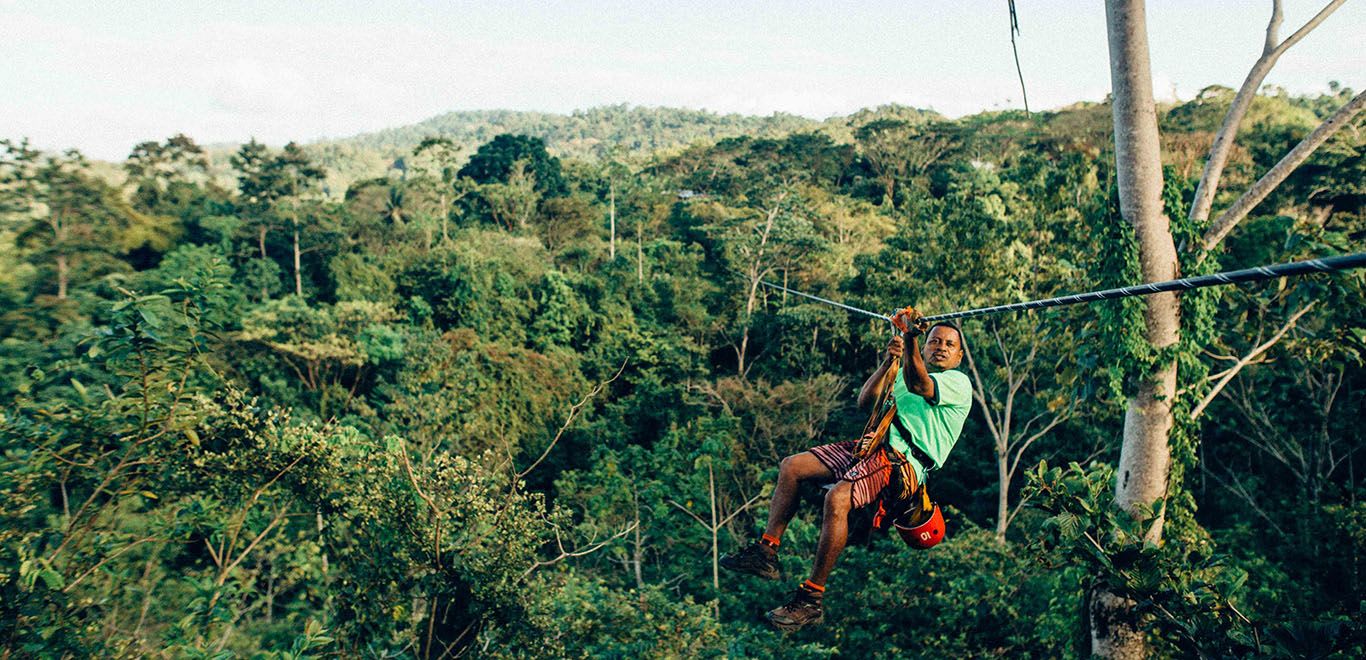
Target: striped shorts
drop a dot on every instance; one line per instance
(869, 475)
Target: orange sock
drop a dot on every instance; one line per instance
(771, 540)
(813, 587)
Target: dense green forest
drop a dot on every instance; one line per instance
(512, 397)
(609, 132)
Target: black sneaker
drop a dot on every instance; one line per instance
(754, 559)
(802, 609)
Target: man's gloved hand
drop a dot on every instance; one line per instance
(910, 322)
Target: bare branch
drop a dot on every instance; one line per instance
(696, 517)
(1029, 424)
(275, 520)
(567, 554)
(1060, 418)
(979, 393)
(1250, 358)
(1223, 140)
(741, 509)
(106, 560)
(1258, 192)
(1236, 487)
(1309, 26)
(1019, 506)
(573, 412)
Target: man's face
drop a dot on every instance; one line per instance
(943, 349)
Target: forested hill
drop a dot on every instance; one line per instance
(586, 134)
(619, 131)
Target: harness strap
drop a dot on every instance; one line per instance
(916, 452)
(882, 417)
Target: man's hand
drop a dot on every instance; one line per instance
(911, 322)
(895, 348)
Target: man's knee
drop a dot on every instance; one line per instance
(839, 498)
(802, 466)
(795, 466)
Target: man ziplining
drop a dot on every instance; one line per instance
(911, 431)
(914, 429)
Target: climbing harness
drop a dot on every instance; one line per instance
(884, 410)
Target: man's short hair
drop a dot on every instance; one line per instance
(962, 341)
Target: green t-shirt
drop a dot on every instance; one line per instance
(933, 427)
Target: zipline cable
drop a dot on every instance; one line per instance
(827, 301)
(1260, 273)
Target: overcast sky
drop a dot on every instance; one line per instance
(102, 76)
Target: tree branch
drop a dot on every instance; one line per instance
(696, 517)
(979, 393)
(1248, 359)
(1258, 192)
(573, 412)
(1223, 140)
(102, 562)
(742, 508)
(566, 554)
(1060, 418)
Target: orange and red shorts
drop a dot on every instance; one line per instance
(869, 476)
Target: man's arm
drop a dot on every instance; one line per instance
(917, 377)
(870, 392)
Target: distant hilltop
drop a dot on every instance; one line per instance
(596, 132)
(638, 132)
(621, 131)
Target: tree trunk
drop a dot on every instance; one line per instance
(261, 240)
(757, 272)
(1145, 456)
(445, 214)
(63, 275)
(640, 255)
(612, 218)
(1002, 494)
(715, 532)
(639, 551)
(298, 280)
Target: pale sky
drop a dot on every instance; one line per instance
(103, 76)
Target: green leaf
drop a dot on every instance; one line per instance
(52, 579)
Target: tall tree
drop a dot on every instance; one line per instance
(1145, 456)
(433, 162)
(256, 187)
(496, 162)
(297, 177)
(66, 217)
(616, 171)
(155, 166)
